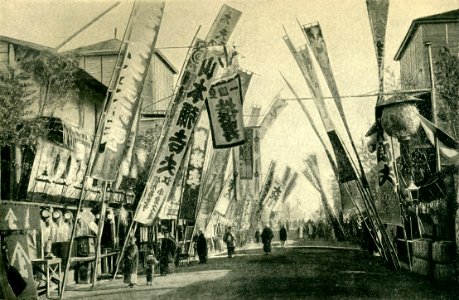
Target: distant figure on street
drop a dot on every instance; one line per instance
(201, 246)
(266, 237)
(257, 236)
(283, 236)
(230, 241)
(150, 263)
(310, 230)
(167, 254)
(300, 231)
(131, 262)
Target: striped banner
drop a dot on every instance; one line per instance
(196, 82)
(125, 99)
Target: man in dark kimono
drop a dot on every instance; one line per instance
(201, 245)
(131, 262)
(167, 254)
(266, 237)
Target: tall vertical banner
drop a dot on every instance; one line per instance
(319, 48)
(225, 198)
(215, 174)
(388, 201)
(315, 39)
(253, 116)
(212, 185)
(277, 106)
(125, 99)
(303, 59)
(192, 184)
(224, 106)
(194, 88)
(247, 162)
(378, 12)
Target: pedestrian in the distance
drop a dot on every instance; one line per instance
(283, 236)
(201, 246)
(230, 240)
(266, 237)
(257, 236)
(167, 253)
(131, 263)
(150, 263)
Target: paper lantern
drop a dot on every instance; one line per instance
(401, 120)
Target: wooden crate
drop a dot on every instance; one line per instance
(422, 266)
(443, 252)
(444, 272)
(422, 248)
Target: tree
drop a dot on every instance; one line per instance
(56, 73)
(447, 85)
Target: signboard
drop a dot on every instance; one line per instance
(224, 106)
(18, 258)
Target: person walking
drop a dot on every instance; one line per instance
(230, 241)
(131, 263)
(201, 246)
(266, 237)
(167, 254)
(150, 263)
(257, 236)
(283, 236)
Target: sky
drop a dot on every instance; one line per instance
(258, 38)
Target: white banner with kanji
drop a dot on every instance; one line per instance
(141, 33)
(194, 88)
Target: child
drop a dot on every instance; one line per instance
(150, 263)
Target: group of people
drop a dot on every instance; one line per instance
(166, 261)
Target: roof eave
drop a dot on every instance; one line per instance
(412, 30)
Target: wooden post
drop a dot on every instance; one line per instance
(103, 207)
(433, 101)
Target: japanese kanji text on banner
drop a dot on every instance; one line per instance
(195, 85)
(124, 101)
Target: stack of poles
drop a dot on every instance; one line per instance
(94, 147)
(383, 242)
(133, 226)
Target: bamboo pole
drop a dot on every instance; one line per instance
(433, 99)
(87, 25)
(163, 131)
(94, 146)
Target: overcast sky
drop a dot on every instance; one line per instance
(258, 37)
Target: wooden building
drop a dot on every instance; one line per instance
(438, 183)
(440, 30)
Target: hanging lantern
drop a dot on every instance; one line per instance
(400, 117)
(401, 120)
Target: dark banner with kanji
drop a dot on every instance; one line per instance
(193, 179)
(194, 88)
(224, 106)
(246, 156)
